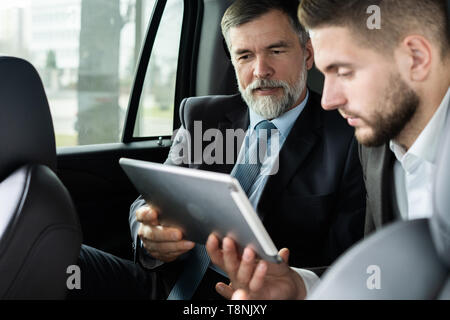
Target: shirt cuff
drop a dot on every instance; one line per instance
(309, 278)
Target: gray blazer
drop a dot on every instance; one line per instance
(378, 164)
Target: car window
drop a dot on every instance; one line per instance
(85, 52)
(155, 113)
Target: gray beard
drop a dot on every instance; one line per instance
(271, 107)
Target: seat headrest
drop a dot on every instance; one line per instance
(440, 221)
(26, 128)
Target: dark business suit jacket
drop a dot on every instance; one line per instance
(315, 204)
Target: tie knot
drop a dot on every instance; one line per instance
(265, 125)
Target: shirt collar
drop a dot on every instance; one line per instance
(284, 122)
(425, 147)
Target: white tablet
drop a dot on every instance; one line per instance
(200, 203)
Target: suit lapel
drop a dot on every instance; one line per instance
(303, 136)
(379, 184)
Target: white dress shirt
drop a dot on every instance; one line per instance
(414, 169)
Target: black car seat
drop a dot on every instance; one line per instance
(40, 235)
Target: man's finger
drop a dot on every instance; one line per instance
(257, 281)
(284, 254)
(214, 251)
(240, 295)
(230, 257)
(224, 290)
(159, 233)
(147, 215)
(247, 267)
(168, 247)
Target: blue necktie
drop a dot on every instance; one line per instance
(248, 170)
(246, 173)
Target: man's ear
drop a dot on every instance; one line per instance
(419, 54)
(309, 53)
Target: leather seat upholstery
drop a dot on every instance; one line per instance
(40, 235)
